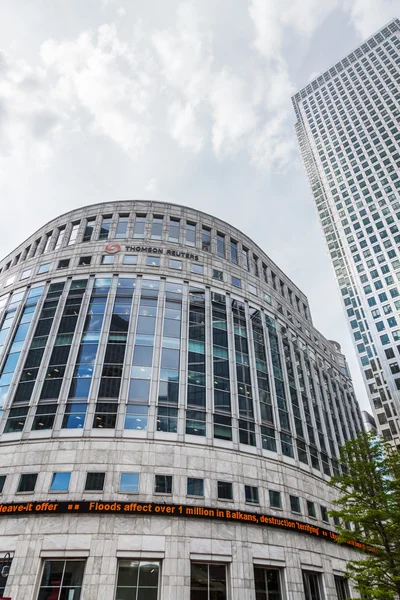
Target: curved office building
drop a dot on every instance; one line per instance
(171, 417)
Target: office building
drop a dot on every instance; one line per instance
(171, 417)
(348, 132)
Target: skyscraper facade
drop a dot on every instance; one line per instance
(348, 131)
(171, 416)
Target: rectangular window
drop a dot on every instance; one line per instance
(191, 234)
(27, 482)
(251, 494)
(267, 582)
(94, 482)
(47, 244)
(311, 509)
(324, 514)
(107, 259)
(195, 486)
(60, 482)
(2, 482)
(275, 499)
(140, 223)
(73, 234)
(225, 490)
(61, 579)
(63, 264)
(175, 264)
(295, 504)
(44, 268)
(84, 261)
(156, 228)
(234, 252)
(245, 258)
(221, 245)
(153, 261)
(312, 585)
(130, 259)
(196, 268)
(87, 235)
(342, 588)
(206, 239)
(163, 484)
(105, 227)
(174, 227)
(137, 580)
(122, 227)
(25, 274)
(218, 275)
(129, 483)
(208, 581)
(236, 281)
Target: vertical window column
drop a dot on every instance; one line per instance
(264, 391)
(122, 226)
(174, 230)
(245, 397)
(309, 422)
(110, 382)
(142, 362)
(221, 374)
(317, 415)
(88, 233)
(196, 389)
(105, 227)
(168, 391)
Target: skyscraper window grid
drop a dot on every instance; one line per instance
(349, 139)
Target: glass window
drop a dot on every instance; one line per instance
(156, 228)
(234, 252)
(312, 585)
(236, 282)
(295, 504)
(84, 261)
(137, 580)
(225, 490)
(174, 226)
(163, 484)
(25, 274)
(44, 268)
(311, 509)
(73, 234)
(191, 234)
(206, 239)
(175, 264)
(105, 227)
(267, 582)
(195, 486)
(140, 223)
(130, 259)
(275, 499)
(2, 482)
(87, 235)
(61, 579)
(208, 581)
(107, 259)
(245, 258)
(94, 482)
(129, 483)
(122, 226)
(27, 482)
(221, 245)
(60, 482)
(198, 269)
(218, 275)
(63, 264)
(324, 514)
(153, 261)
(251, 494)
(342, 587)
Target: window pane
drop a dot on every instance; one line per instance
(95, 482)
(195, 486)
(129, 483)
(60, 482)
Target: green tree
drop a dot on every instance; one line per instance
(369, 489)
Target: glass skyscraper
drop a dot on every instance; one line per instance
(348, 131)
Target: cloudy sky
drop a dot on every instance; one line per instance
(187, 102)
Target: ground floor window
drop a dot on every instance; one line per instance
(208, 581)
(138, 580)
(268, 583)
(342, 587)
(312, 585)
(61, 580)
(5, 566)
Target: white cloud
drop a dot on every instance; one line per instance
(183, 126)
(368, 15)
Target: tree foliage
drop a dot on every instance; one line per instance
(369, 489)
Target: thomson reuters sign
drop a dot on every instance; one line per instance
(112, 248)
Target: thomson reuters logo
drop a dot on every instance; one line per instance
(112, 248)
